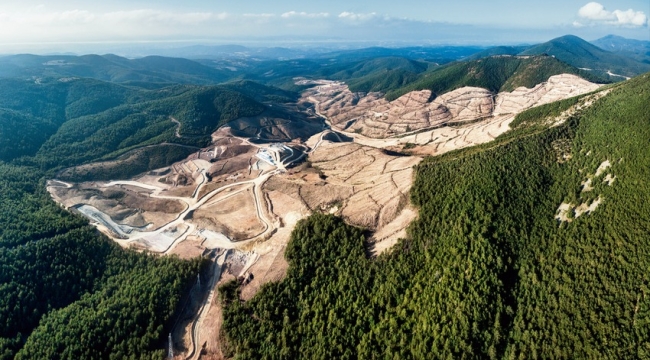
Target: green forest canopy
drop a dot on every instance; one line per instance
(58, 274)
(487, 270)
(58, 123)
(497, 74)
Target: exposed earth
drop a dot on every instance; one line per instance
(238, 199)
(463, 117)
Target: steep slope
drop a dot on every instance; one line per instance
(581, 54)
(373, 116)
(64, 123)
(198, 110)
(487, 270)
(497, 73)
(32, 112)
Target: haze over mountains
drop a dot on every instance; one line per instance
(418, 202)
(636, 49)
(581, 54)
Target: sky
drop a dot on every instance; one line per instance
(32, 25)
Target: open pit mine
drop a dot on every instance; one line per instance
(237, 200)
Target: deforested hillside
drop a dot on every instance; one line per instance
(534, 245)
(498, 73)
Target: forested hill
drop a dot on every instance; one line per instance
(497, 73)
(382, 74)
(580, 53)
(151, 71)
(64, 123)
(67, 292)
(610, 54)
(488, 270)
(638, 50)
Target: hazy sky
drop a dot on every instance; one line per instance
(29, 24)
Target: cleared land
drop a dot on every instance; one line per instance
(238, 200)
(464, 117)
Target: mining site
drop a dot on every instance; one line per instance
(237, 200)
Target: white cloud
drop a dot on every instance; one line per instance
(595, 13)
(263, 16)
(631, 17)
(302, 14)
(38, 24)
(75, 16)
(357, 17)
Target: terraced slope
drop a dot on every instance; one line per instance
(497, 74)
(487, 270)
(373, 116)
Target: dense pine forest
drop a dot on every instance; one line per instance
(67, 292)
(55, 123)
(492, 268)
(487, 270)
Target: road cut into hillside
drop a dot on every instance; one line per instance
(241, 198)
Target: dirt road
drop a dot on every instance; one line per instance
(195, 351)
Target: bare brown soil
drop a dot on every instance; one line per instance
(190, 248)
(124, 204)
(234, 216)
(373, 116)
(282, 122)
(461, 118)
(364, 185)
(225, 197)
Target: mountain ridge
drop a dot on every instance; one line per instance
(582, 54)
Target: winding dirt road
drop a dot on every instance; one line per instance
(195, 337)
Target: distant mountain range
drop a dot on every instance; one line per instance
(367, 69)
(151, 69)
(582, 54)
(534, 245)
(638, 50)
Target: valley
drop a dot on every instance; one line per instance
(275, 180)
(238, 199)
